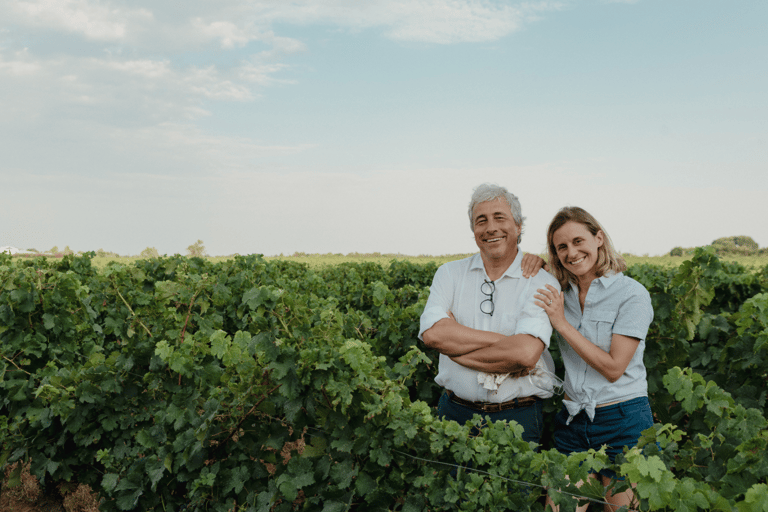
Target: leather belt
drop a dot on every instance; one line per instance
(515, 403)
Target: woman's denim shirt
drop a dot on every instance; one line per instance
(615, 304)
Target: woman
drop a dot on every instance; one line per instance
(601, 318)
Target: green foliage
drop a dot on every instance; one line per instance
(176, 383)
(677, 251)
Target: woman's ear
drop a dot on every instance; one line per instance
(600, 237)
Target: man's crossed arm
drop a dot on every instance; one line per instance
(484, 351)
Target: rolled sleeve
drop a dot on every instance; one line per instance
(533, 319)
(635, 313)
(536, 328)
(439, 301)
(430, 317)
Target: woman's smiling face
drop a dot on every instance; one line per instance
(577, 249)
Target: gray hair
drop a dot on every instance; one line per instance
(489, 192)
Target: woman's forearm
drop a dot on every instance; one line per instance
(610, 365)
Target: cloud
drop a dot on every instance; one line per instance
(145, 63)
(232, 24)
(119, 91)
(93, 20)
(18, 64)
(121, 65)
(227, 32)
(431, 21)
(456, 21)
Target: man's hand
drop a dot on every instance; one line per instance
(531, 264)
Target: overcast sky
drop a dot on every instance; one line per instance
(276, 126)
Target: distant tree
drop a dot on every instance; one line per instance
(32, 250)
(149, 252)
(54, 249)
(67, 250)
(738, 241)
(677, 251)
(197, 249)
(735, 244)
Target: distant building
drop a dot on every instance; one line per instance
(12, 250)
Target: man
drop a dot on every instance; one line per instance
(482, 318)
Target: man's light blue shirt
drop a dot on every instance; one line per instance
(456, 288)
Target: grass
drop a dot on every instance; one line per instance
(312, 260)
(321, 260)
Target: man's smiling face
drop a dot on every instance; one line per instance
(495, 230)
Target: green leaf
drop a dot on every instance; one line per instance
(129, 500)
(755, 500)
(49, 321)
(164, 350)
(364, 484)
(155, 469)
(343, 472)
(145, 439)
(316, 447)
(237, 479)
(14, 479)
(380, 292)
(220, 343)
(242, 340)
(109, 481)
(652, 466)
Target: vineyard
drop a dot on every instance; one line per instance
(176, 383)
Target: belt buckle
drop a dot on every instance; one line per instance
(488, 406)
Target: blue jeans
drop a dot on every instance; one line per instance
(615, 426)
(530, 417)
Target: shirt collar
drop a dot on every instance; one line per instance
(609, 278)
(606, 281)
(514, 271)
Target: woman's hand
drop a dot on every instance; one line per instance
(553, 303)
(531, 264)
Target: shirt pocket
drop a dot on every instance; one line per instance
(508, 325)
(603, 320)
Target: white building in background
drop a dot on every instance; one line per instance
(12, 250)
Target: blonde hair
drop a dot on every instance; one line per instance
(608, 260)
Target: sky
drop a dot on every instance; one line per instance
(341, 126)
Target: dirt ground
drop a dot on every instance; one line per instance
(28, 497)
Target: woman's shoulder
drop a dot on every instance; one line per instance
(633, 294)
(632, 285)
(624, 288)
